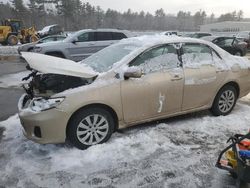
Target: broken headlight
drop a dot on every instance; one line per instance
(42, 104)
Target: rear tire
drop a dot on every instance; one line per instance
(89, 127)
(12, 40)
(224, 101)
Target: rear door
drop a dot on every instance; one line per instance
(201, 79)
(103, 39)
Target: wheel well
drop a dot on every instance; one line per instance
(103, 106)
(235, 85)
(56, 54)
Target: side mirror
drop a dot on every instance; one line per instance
(132, 72)
(74, 41)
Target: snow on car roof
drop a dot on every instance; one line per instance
(147, 41)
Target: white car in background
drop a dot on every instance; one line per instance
(83, 43)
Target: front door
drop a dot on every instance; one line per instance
(159, 91)
(83, 47)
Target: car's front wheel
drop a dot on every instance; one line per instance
(224, 101)
(89, 127)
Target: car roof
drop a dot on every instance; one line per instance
(148, 41)
(154, 40)
(126, 32)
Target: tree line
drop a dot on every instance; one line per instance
(76, 14)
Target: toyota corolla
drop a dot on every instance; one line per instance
(134, 81)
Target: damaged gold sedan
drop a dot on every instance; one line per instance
(134, 81)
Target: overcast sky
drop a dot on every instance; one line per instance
(173, 6)
(218, 7)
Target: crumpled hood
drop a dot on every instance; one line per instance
(54, 65)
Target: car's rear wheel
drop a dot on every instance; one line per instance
(224, 101)
(89, 127)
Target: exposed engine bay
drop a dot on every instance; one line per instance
(48, 84)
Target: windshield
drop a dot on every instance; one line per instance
(103, 60)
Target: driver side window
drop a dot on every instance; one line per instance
(156, 59)
(86, 37)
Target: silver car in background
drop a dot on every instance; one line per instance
(30, 46)
(83, 43)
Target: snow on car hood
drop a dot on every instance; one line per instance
(54, 65)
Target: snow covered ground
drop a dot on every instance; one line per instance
(8, 51)
(13, 80)
(177, 152)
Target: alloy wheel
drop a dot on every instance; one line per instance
(92, 129)
(226, 101)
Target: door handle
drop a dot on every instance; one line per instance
(176, 77)
(220, 70)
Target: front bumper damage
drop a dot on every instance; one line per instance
(43, 127)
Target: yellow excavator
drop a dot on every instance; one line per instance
(12, 32)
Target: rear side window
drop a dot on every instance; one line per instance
(196, 54)
(101, 36)
(118, 36)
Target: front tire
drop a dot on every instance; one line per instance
(224, 101)
(89, 127)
